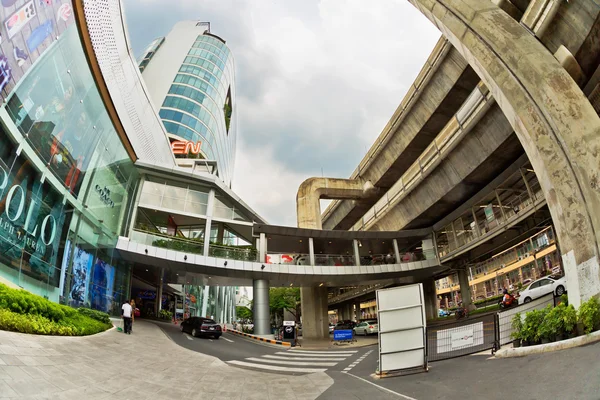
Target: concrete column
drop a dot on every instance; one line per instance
(356, 252)
(357, 313)
(261, 316)
(217, 303)
(262, 249)
(555, 122)
(311, 251)
(160, 290)
(431, 306)
(396, 251)
(220, 232)
(314, 312)
(465, 289)
(205, 294)
(207, 228)
(428, 249)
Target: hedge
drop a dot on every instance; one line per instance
(21, 311)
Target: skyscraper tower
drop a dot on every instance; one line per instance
(190, 76)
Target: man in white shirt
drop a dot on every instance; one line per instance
(126, 315)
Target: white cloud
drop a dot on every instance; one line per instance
(317, 80)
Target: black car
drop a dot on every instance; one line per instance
(197, 326)
(344, 325)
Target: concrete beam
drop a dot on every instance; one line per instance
(312, 190)
(556, 124)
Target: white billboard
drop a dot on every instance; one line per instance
(401, 312)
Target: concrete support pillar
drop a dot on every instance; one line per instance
(431, 304)
(554, 121)
(465, 289)
(311, 251)
(356, 252)
(314, 312)
(428, 249)
(207, 228)
(357, 313)
(262, 249)
(262, 325)
(205, 294)
(396, 251)
(160, 290)
(220, 232)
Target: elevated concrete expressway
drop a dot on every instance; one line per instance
(540, 72)
(438, 91)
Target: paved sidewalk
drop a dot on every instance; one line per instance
(143, 365)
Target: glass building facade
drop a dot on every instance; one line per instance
(66, 180)
(200, 107)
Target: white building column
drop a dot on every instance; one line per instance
(209, 212)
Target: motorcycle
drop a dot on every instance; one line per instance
(505, 305)
(461, 312)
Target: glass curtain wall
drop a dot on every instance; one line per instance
(66, 193)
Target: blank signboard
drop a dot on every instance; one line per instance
(401, 315)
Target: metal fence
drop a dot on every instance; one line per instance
(460, 338)
(505, 317)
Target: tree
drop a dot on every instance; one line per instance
(285, 298)
(243, 313)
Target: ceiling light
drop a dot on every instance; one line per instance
(146, 269)
(321, 284)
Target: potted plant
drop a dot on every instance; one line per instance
(547, 329)
(570, 321)
(533, 320)
(589, 316)
(554, 323)
(517, 330)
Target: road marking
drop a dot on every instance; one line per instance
(229, 340)
(210, 340)
(281, 362)
(355, 363)
(289, 354)
(380, 387)
(341, 353)
(278, 368)
(189, 337)
(304, 358)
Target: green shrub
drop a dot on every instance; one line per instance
(589, 315)
(533, 320)
(21, 311)
(488, 300)
(95, 314)
(570, 319)
(517, 327)
(164, 314)
(553, 323)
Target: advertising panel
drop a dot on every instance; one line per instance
(29, 28)
(101, 286)
(33, 217)
(461, 337)
(82, 265)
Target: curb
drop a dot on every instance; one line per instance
(549, 347)
(271, 341)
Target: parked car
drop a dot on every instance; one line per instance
(197, 326)
(347, 324)
(443, 313)
(366, 328)
(331, 327)
(543, 286)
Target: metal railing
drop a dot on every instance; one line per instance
(348, 260)
(193, 246)
(357, 292)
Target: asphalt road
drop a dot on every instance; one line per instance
(228, 347)
(569, 374)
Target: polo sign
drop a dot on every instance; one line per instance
(186, 147)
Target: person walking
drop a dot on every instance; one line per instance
(126, 315)
(132, 304)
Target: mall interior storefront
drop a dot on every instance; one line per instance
(66, 184)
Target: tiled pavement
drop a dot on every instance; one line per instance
(144, 365)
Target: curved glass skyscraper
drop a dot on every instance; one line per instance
(191, 76)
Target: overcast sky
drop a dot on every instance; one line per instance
(317, 80)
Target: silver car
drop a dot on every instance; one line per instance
(366, 328)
